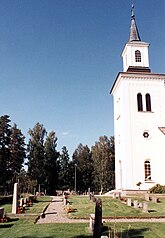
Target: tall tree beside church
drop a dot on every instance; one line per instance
(17, 153)
(65, 170)
(4, 151)
(51, 163)
(103, 156)
(84, 168)
(36, 154)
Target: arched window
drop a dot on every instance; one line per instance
(147, 170)
(137, 56)
(139, 102)
(148, 102)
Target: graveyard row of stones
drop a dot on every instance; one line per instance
(25, 202)
(135, 203)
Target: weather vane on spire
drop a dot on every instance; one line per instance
(132, 9)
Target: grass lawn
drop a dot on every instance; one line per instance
(37, 207)
(24, 227)
(113, 207)
(134, 230)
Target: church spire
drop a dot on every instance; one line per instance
(134, 34)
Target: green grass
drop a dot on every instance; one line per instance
(46, 230)
(38, 206)
(113, 208)
(24, 227)
(138, 230)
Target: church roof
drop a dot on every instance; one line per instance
(134, 34)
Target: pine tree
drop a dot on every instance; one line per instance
(51, 163)
(82, 158)
(17, 154)
(36, 154)
(65, 178)
(4, 152)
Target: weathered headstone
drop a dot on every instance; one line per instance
(129, 202)
(154, 199)
(25, 201)
(15, 197)
(89, 192)
(135, 203)
(98, 219)
(91, 222)
(1, 212)
(147, 196)
(145, 207)
(114, 195)
(21, 202)
(65, 201)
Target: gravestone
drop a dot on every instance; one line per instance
(129, 202)
(98, 219)
(89, 192)
(15, 197)
(21, 202)
(65, 201)
(145, 207)
(91, 222)
(154, 199)
(1, 212)
(135, 203)
(147, 196)
(114, 195)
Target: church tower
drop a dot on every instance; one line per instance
(139, 118)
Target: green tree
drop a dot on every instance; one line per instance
(103, 156)
(26, 184)
(17, 153)
(36, 154)
(65, 170)
(84, 168)
(51, 163)
(4, 152)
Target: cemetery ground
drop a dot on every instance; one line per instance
(23, 225)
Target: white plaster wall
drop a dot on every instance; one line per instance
(132, 149)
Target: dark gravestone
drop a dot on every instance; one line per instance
(98, 219)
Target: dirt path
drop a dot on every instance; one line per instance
(55, 213)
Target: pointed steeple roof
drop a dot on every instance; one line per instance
(134, 34)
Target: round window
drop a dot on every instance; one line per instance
(146, 134)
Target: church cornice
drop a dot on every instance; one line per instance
(136, 76)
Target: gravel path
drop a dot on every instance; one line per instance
(55, 213)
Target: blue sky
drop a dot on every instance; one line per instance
(59, 58)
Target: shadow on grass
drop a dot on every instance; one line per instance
(13, 219)
(35, 236)
(151, 210)
(131, 233)
(82, 236)
(6, 225)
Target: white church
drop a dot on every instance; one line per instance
(139, 118)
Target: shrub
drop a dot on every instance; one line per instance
(157, 189)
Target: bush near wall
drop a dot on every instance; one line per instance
(157, 189)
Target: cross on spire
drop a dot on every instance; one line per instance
(134, 34)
